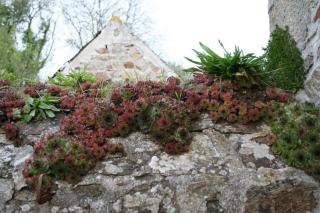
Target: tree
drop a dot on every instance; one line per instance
(88, 17)
(24, 32)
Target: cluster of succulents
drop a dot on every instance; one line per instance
(277, 94)
(297, 136)
(12, 133)
(71, 152)
(164, 110)
(34, 90)
(227, 101)
(10, 110)
(10, 105)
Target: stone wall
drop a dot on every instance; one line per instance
(115, 54)
(228, 169)
(303, 19)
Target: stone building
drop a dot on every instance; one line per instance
(303, 19)
(118, 55)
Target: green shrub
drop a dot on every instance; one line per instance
(244, 69)
(285, 66)
(40, 108)
(73, 79)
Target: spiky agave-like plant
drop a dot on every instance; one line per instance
(245, 69)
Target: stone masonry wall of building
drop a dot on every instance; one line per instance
(115, 54)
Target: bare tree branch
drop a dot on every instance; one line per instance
(88, 17)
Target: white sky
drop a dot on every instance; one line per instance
(181, 24)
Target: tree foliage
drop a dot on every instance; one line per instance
(24, 31)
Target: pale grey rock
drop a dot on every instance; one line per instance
(25, 208)
(227, 169)
(6, 156)
(6, 192)
(204, 123)
(3, 140)
(18, 180)
(54, 209)
(111, 169)
(257, 150)
(22, 154)
(177, 164)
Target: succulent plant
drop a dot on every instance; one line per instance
(312, 137)
(254, 114)
(146, 118)
(315, 151)
(67, 102)
(182, 135)
(223, 111)
(232, 118)
(298, 157)
(108, 118)
(290, 139)
(175, 148)
(308, 121)
(12, 133)
(214, 117)
(55, 143)
(123, 129)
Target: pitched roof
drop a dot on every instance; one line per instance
(116, 54)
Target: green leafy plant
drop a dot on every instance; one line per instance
(40, 108)
(244, 69)
(73, 79)
(285, 66)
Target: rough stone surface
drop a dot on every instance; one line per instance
(6, 191)
(228, 169)
(117, 55)
(302, 18)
